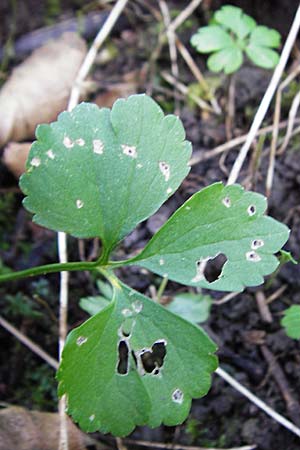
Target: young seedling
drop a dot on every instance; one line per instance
(98, 173)
(233, 34)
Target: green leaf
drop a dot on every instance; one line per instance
(229, 59)
(97, 172)
(265, 37)
(262, 56)
(210, 39)
(235, 20)
(217, 220)
(291, 321)
(192, 307)
(135, 364)
(93, 305)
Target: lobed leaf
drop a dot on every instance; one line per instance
(192, 307)
(97, 172)
(228, 59)
(265, 37)
(262, 56)
(291, 321)
(218, 220)
(210, 39)
(135, 364)
(235, 20)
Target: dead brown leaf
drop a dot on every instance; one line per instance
(38, 89)
(21, 429)
(15, 155)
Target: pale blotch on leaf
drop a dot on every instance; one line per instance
(187, 208)
(200, 267)
(161, 262)
(50, 154)
(68, 143)
(129, 150)
(79, 204)
(98, 146)
(251, 210)
(177, 396)
(92, 418)
(126, 312)
(139, 166)
(81, 340)
(169, 190)
(137, 306)
(253, 256)
(257, 243)
(35, 162)
(165, 170)
(226, 202)
(80, 142)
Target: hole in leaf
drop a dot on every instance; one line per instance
(123, 351)
(214, 267)
(153, 359)
(251, 210)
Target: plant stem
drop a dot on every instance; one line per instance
(49, 268)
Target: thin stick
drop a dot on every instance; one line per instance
(172, 46)
(204, 156)
(184, 14)
(291, 121)
(184, 90)
(92, 53)
(264, 105)
(263, 307)
(259, 403)
(29, 343)
(292, 117)
(62, 240)
(197, 74)
(180, 446)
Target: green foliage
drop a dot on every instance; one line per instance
(233, 33)
(97, 172)
(105, 182)
(95, 304)
(192, 307)
(217, 220)
(160, 357)
(291, 321)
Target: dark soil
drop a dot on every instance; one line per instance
(223, 418)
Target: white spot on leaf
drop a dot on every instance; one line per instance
(200, 267)
(169, 190)
(139, 166)
(137, 306)
(226, 202)
(253, 256)
(79, 203)
(251, 210)
(187, 208)
(80, 142)
(129, 150)
(161, 262)
(126, 312)
(165, 170)
(177, 396)
(257, 243)
(81, 340)
(35, 162)
(68, 143)
(98, 146)
(50, 154)
(92, 418)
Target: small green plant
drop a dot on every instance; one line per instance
(98, 173)
(291, 321)
(232, 34)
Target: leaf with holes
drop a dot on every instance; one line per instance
(97, 172)
(291, 321)
(217, 221)
(135, 364)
